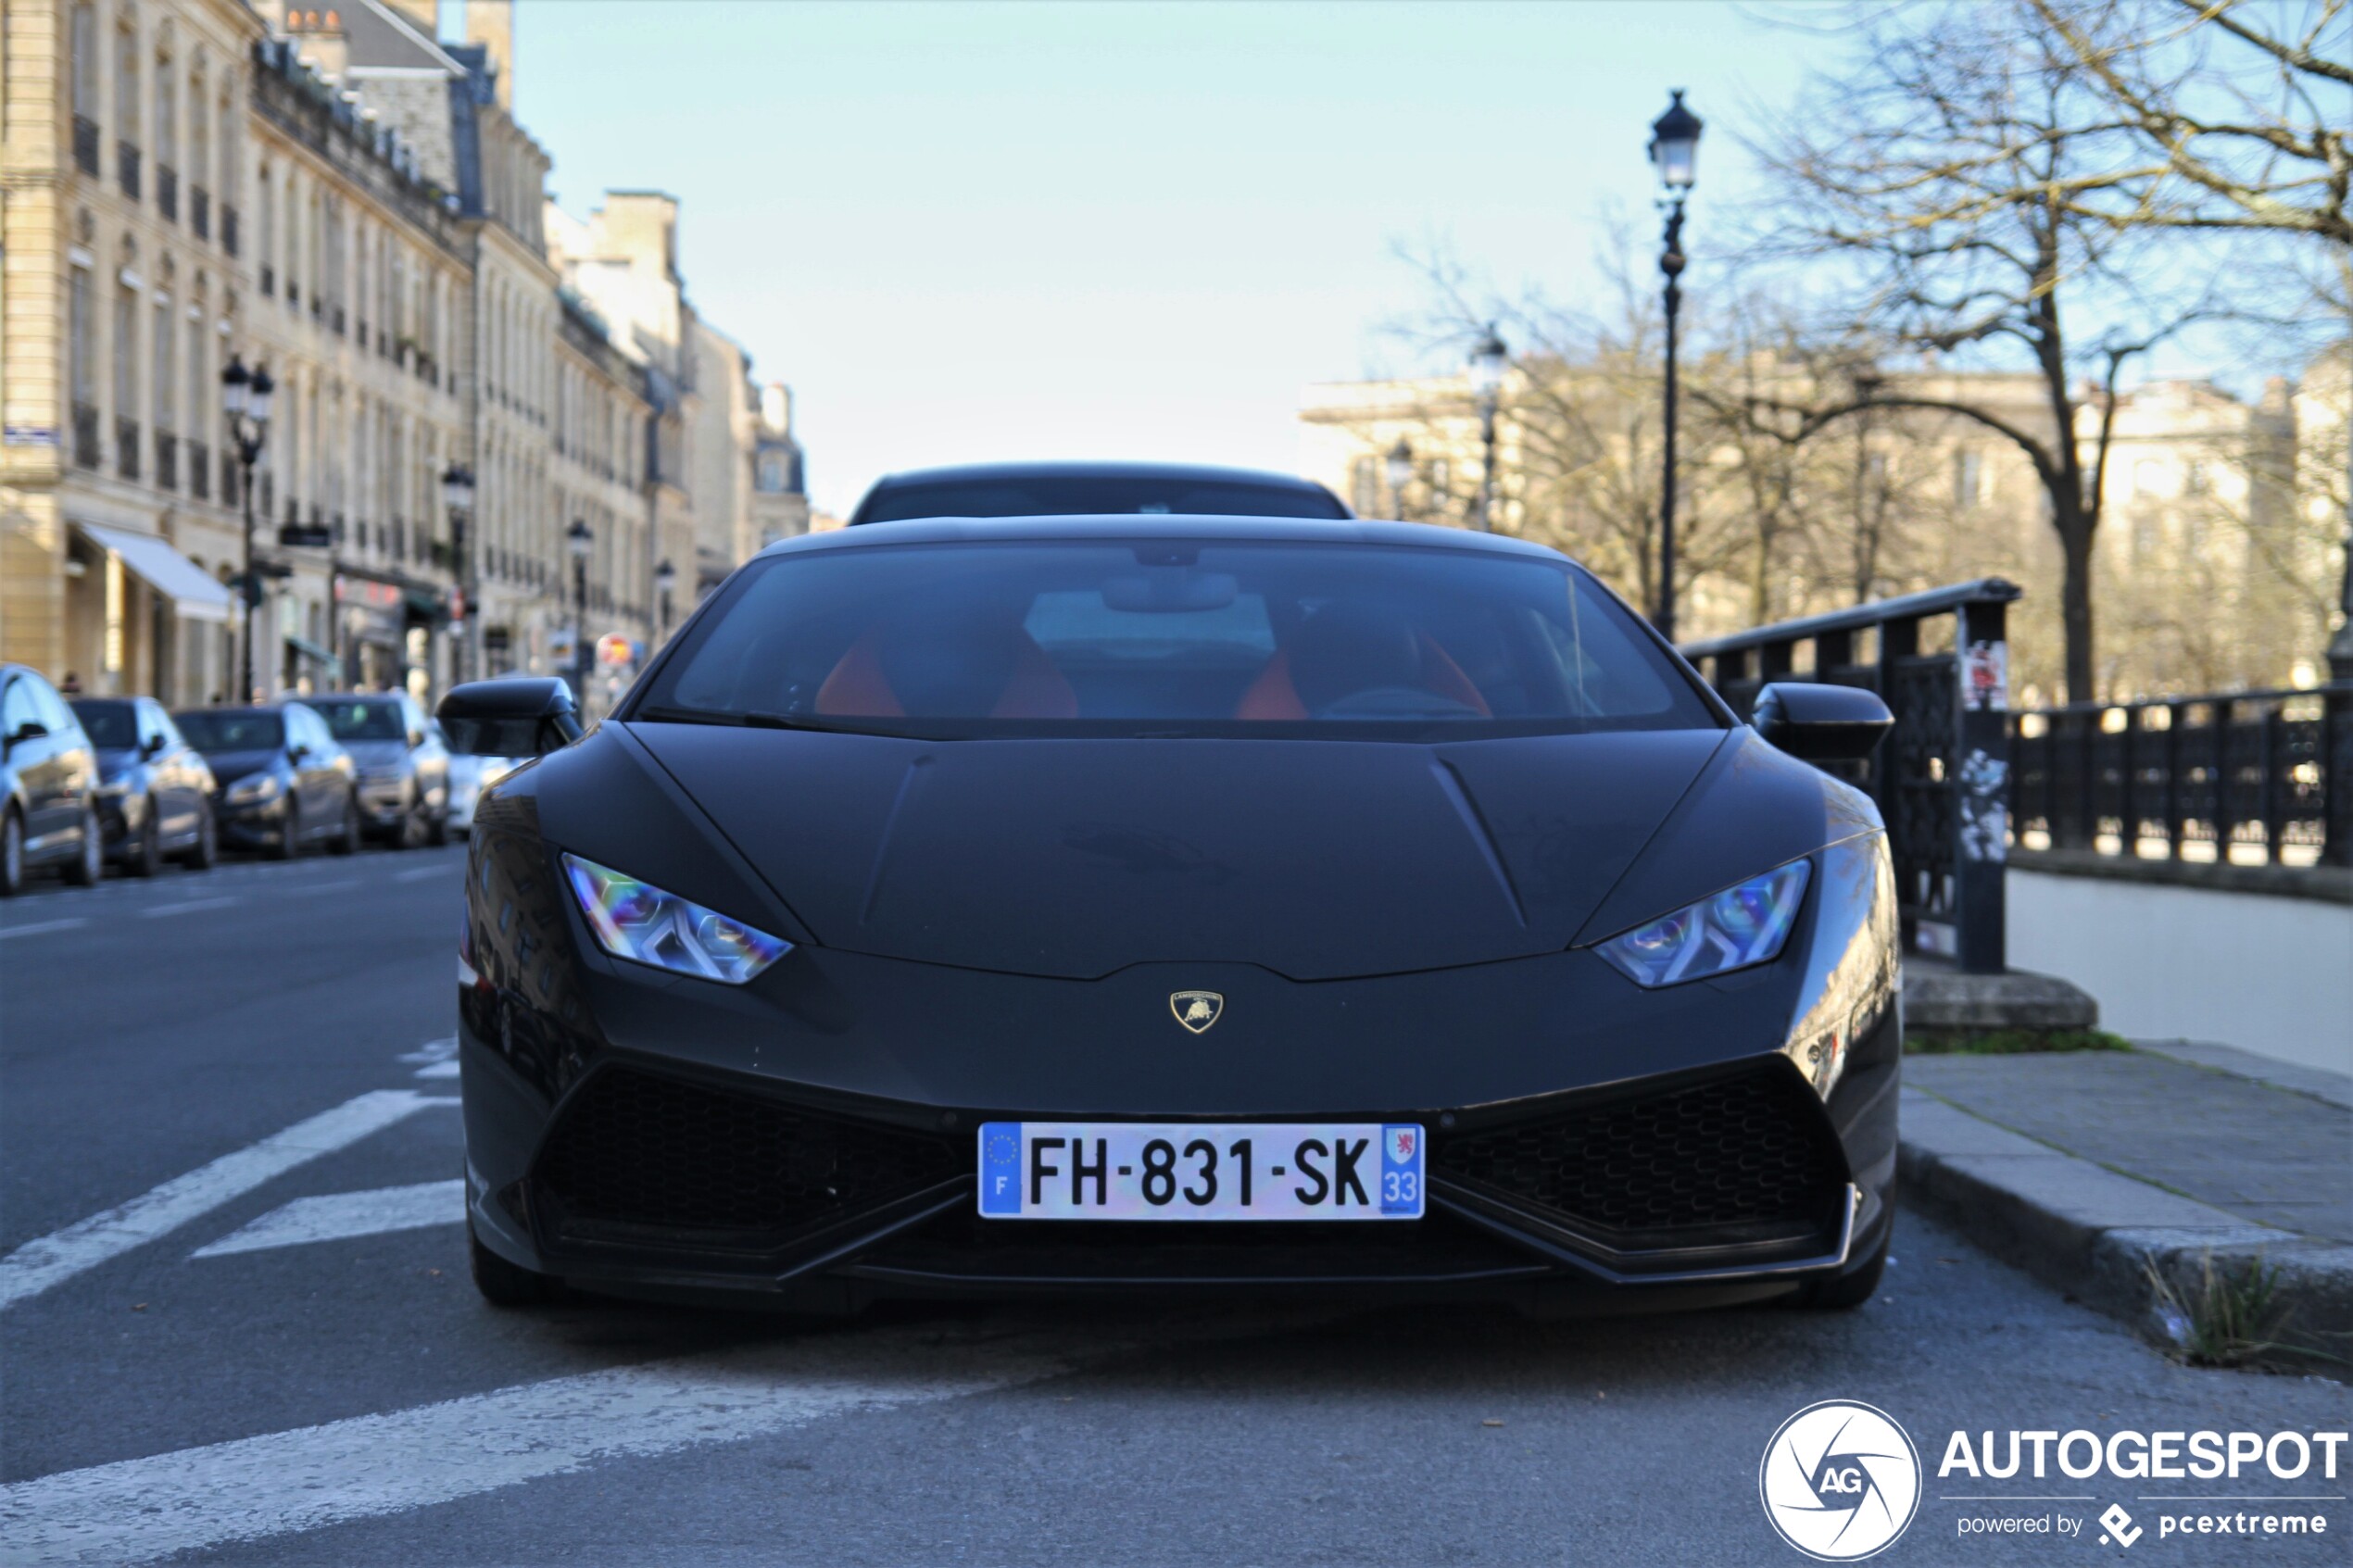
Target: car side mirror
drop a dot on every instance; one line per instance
(32, 729)
(151, 746)
(515, 716)
(296, 752)
(1818, 722)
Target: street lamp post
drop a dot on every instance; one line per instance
(580, 539)
(1486, 364)
(665, 579)
(245, 403)
(1400, 464)
(458, 497)
(1674, 152)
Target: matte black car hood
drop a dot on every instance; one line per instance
(1318, 860)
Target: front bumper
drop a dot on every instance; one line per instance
(258, 825)
(809, 1136)
(384, 805)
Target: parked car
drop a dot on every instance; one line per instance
(49, 812)
(282, 780)
(403, 768)
(1093, 490)
(155, 790)
(469, 776)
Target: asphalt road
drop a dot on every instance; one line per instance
(235, 1325)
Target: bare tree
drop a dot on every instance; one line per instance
(2236, 112)
(1933, 185)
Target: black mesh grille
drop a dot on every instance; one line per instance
(1739, 1151)
(635, 1150)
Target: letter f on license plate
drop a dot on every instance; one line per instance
(1201, 1170)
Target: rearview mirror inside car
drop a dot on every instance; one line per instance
(1818, 722)
(514, 716)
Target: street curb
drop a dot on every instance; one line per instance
(2096, 1235)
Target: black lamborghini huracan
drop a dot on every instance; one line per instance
(1152, 901)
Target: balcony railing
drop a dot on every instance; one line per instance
(168, 192)
(199, 471)
(88, 451)
(2252, 777)
(126, 168)
(126, 447)
(167, 460)
(229, 228)
(85, 145)
(200, 211)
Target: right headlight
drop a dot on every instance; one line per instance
(1735, 929)
(253, 787)
(636, 921)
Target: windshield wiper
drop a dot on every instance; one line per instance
(732, 720)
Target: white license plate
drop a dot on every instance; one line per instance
(1201, 1170)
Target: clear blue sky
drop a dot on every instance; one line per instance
(970, 231)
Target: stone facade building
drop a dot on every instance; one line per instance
(334, 193)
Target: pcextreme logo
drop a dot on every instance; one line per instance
(1839, 1480)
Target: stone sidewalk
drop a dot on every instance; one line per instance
(2090, 1168)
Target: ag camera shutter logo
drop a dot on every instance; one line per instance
(1840, 1481)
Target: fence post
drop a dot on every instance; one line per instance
(2335, 754)
(2173, 780)
(1981, 777)
(2219, 714)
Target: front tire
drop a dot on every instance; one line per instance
(503, 1284)
(85, 869)
(205, 853)
(148, 859)
(289, 843)
(1850, 1290)
(11, 853)
(348, 841)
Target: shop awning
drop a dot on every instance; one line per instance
(329, 665)
(155, 563)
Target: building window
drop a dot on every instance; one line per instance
(1364, 481)
(82, 366)
(167, 140)
(86, 88)
(164, 385)
(1969, 480)
(126, 381)
(126, 112)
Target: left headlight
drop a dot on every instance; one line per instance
(638, 922)
(1735, 929)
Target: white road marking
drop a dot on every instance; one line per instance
(36, 927)
(421, 872)
(440, 1058)
(340, 1215)
(369, 1466)
(440, 1070)
(322, 887)
(189, 908)
(60, 1255)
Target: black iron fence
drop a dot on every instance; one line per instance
(2234, 776)
(1940, 660)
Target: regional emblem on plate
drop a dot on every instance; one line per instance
(1400, 1145)
(1196, 1010)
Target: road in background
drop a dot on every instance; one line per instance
(235, 1323)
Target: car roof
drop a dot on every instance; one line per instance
(1165, 525)
(970, 473)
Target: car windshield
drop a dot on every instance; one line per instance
(1089, 496)
(361, 721)
(1125, 637)
(231, 729)
(111, 726)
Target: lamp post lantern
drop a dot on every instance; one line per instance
(580, 539)
(457, 499)
(1488, 361)
(1674, 152)
(245, 404)
(1400, 472)
(665, 579)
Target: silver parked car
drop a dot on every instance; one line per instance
(403, 768)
